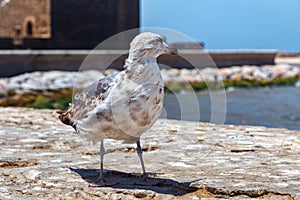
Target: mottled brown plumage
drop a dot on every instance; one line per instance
(125, 105)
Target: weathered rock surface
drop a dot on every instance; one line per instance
(37, 88)
(40, 158)
(42, 81)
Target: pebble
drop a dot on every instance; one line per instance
(32, 174)
(139, 194)
(297, 84)
(180, 164)
(3, 190)
(193, 198)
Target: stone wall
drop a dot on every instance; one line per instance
(25, 19)
(17, 62)
(75, 24)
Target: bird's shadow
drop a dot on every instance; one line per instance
(129, 181)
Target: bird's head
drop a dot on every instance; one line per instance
(150, 45)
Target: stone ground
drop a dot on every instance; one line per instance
(40, 158)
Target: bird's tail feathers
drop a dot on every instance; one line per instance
(64, 117)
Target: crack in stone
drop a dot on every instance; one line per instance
(4, 164)
(250, 193)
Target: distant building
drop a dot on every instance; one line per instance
(64, 24)
(189, 45)
(83, 24)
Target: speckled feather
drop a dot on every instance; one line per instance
(88, 99)
(125, 105)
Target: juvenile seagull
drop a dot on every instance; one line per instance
(125, 105)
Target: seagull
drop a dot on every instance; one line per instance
(124, 105)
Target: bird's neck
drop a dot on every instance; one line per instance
(144, 69)
(137, 59)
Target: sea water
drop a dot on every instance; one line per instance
(270, 107)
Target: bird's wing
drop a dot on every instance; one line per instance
(99, 89)
(88, 99)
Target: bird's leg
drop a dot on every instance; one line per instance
(146, 181)
(102, 152)
(140, 154)
(100, 182)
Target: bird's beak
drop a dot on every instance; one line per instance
(170, 49)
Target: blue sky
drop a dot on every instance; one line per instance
(229, 24)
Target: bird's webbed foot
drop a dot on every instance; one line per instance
(146, 180)
(102, 183)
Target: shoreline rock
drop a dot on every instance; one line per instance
(53, 80)
(24, 89)
(42, 158)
